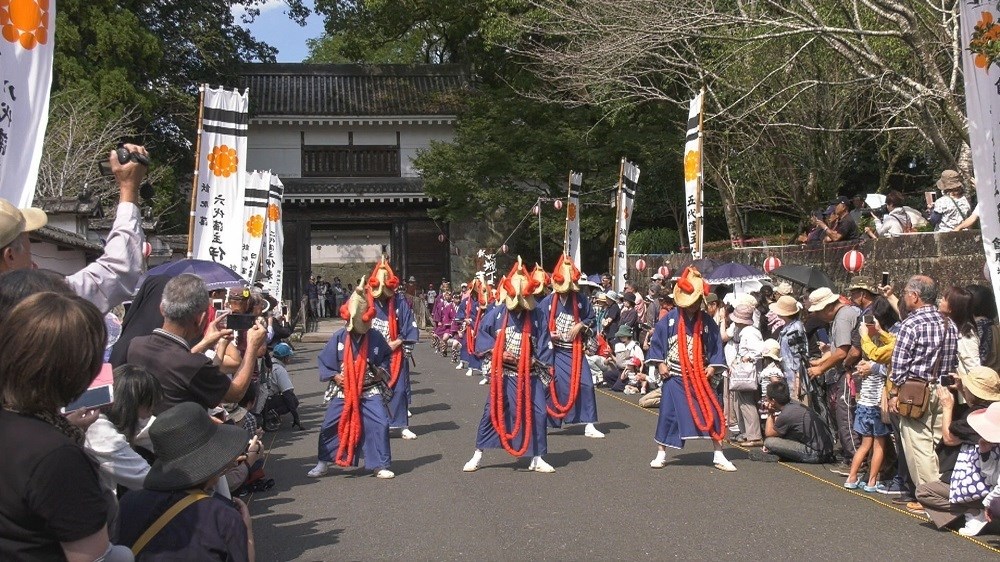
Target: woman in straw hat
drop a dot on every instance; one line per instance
(686, 348)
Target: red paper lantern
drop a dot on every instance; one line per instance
(503, 249)
(536, 209)
(640, 265)
(441, 238)
(854, 261)
(147, 249)
(558, 204)
(771, 263)
(664, 271)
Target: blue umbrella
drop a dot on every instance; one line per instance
(735, 273)
(215, 275)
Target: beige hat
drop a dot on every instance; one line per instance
(785, 306)
(743, 314)
(983, 382)
(820, 298)
(950, 180)
(772, 349)
(14, 221)
(690, 288)
(783, 288)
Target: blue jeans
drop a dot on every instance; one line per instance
(793, 450)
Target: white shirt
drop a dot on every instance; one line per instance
(119, 463)
(953, 212)
(114, 277)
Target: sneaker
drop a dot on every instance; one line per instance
(903, 499)
(385, 474)
(725, 466)
(893, 488)
(973, 524)
(460, 366)
(408, 435)
(468, 373)
(593, 432)
(761, 456)
(472, 465)
(321, 468)
(484, 381)
(842, 468)
(853, 485)
(539, 465)
(877, 488)
(752, 443)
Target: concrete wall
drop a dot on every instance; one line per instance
(950, 258)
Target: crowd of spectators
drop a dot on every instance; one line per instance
(156, 473)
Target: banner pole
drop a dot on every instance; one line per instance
(541, 259)
(701, 176)
(197, 166)
(569, 197)
(618, 225)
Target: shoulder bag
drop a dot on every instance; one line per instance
(167, 517)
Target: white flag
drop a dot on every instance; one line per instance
(255, 200)
(693, 194)
(217, 212)
(979, 23)
(627, 186)
(274, 263)
(571, 246)
(27, 32)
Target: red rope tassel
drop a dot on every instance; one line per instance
(349, 428)
(704, 406)
(559, 410)
(524, 405)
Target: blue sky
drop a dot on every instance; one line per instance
(275, 28)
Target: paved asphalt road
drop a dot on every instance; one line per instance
(603, 502)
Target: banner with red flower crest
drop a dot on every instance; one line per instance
(255, 201)
(218, 216)
(694, 198)
(27, 32)
(980, 32)
(273, 265)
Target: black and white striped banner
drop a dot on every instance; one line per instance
(273, 264)
(693, 196)
(628, 184)
(572, 243)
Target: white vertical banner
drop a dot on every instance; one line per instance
(693, 194)
(571, 245)
(221, 173)
(27, 34)
(274, 263)
(628, 183)
(255, 201)
(980, 22)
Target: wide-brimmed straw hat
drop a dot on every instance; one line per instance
(783, 288)
(743, 314)
(821, 298)
(690, 288)
(983, 383)
(190, 448)
(950, 180)
(14, 221)
(986, 422)
(785, 306)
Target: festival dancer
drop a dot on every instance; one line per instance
(394, 320)
(686, 347)
(355, 359)
(470, 313)
(514, 416)
(568, 319)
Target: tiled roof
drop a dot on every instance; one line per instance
(341, 90)
(361, 186)
(70, 205)
(67, 239)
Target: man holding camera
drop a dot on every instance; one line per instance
(793, 432)
(115, 275)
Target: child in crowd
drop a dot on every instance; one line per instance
(634, 384)
(868, 423)
(770, 370)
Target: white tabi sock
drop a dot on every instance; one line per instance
(661, 456)
(720, 457)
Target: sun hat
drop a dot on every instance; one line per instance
(783, 288)
(635, 362)
(772, 349)
(950, 180)
(14, 221)
(743, 314)
(190, 448)
(986, 422)
(690, 288)
(283, 350)
(239, 293)
(630, 297)
(623, 332)
(711, 297)
(412, 279)
(862, 283)
(820, 298)
(614, 296)
(983, 382)
(657, 277)
(785, 306)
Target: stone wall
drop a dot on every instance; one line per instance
(950, 258)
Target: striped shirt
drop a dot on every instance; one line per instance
(923, 337)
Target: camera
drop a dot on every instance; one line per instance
(879, 212)
(947, 380)
(124, 157)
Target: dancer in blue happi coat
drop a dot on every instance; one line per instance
(686, 348)
(394, 320)
(508, 340)
(567, 319)
(470, 315)
(355, 361)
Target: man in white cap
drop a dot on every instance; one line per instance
(115, 275)
(843, 320)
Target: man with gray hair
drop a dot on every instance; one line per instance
(190, 372)
(926, 348)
